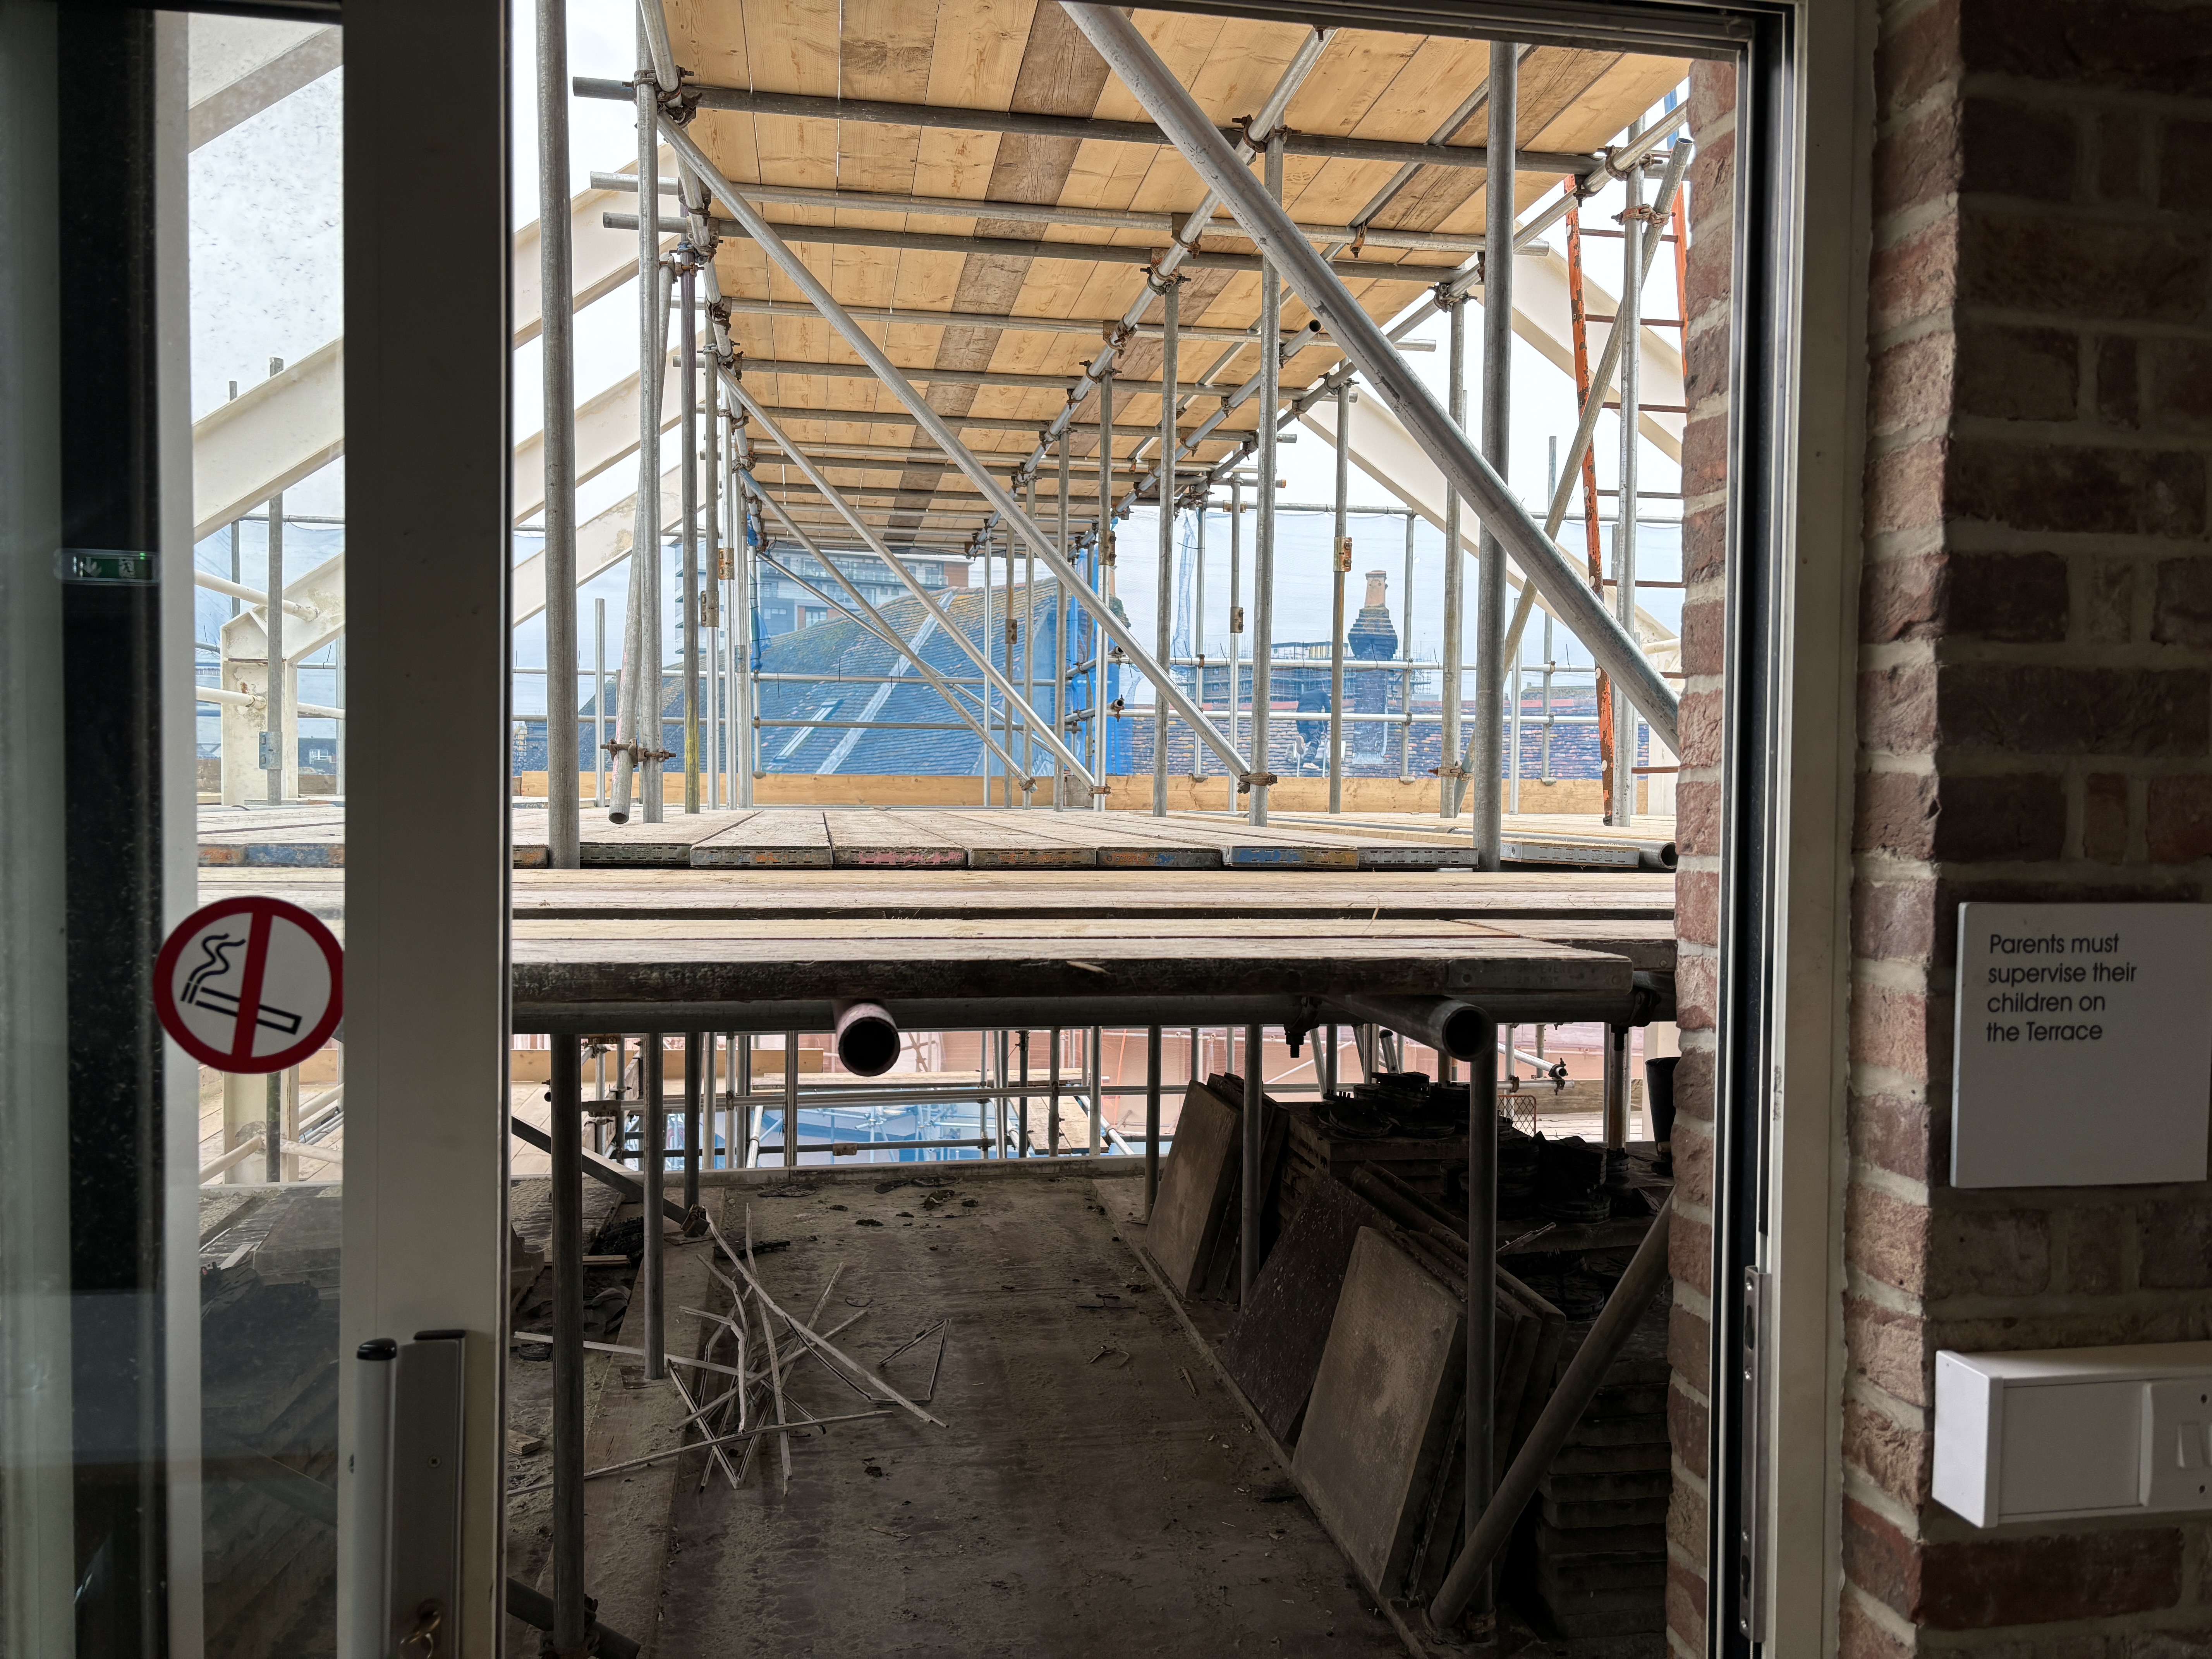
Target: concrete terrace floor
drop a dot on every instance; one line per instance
(1095, 1491)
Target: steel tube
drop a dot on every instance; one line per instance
(1080, 129)
(1453, 1028)
(791, 1100)
(598, 703)
(1452, 697)
(1340, 569)
(688, 400)
(1235, 613)
(1017, 247)
(557, 351)
(565, 1193)
(1263, 529)
(1102, 564)
(278, 672)
(718, 706)
(1151, 1117)
(1131, 57)
(744, 689)
(645, 531)
(1249, 1196)
(694, 1074)
(652, 1162)
(1481, 1276)
(1157, 224)
(1629, 319)
(1089, 327)
(1162, 641)
(867, 1038)
(1585, 1375)
(1029, 656)
(1061, 602)
(1486, 751)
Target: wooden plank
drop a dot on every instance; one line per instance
(1007, 841)
(876, 839)
(781, 839)
(571, 961)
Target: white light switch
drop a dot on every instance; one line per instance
(2049, 1433)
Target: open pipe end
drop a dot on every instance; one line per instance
(867, 1038)
(1466, 1031)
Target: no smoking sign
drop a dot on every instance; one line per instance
(250, 985)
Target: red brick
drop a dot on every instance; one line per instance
(1690, 1253)
(2042, 1581)
(1893, 920)
(2193, 1643)
(2119, 390)
(1988, 1253)
(1701, 724)
(1918, 163)
(1917, 55)
(1889, 1349)
(1879, 1560)
(1704, 456)
(1858, 1635)
(1705, 632)
(1696, 992)
(1688, 1424)
(2104, 817)
(1914, 277)
(2132, 44)
(2019, 374)
(2083, 268)
(2108, 601)
(1698, 820)
(2032, 708)
(1886, 1238)
(2178, 823)
(2181, 386)
(1704, 553)
(2121, 145)
(1903, 598)
(2017, 816)
(1890, 1028)
(1697, 905)
(1693, 1086)
(1891, 1132)
(1689, 1346)
(2184, 184)
(1693, 1161)
(2181, 609)
(2173, 1244)
(1686, 1603)
(1896, 1459)
(2053, 487)
(2016, 598)
(1897, 709)
(1894, 811)
(1912, 383)
(1712, 93)
(2017, 150)
(1904, 486)
(2093, 1252)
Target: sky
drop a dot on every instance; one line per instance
(267, 282)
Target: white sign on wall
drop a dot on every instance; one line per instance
(2083, 1050)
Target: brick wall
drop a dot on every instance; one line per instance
(2034, 721)
(1697, 830)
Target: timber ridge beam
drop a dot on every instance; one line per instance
(738, 100)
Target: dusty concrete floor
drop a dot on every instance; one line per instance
(1097, 1490)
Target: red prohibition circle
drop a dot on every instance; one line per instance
(259, 914)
